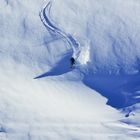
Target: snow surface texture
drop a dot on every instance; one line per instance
(61, 102)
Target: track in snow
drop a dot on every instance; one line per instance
(63, 66)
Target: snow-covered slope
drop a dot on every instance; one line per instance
(108, 29)
(41, 97)
(99, 26)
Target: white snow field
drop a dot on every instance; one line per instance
(42, 97)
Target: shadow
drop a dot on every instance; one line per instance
(121, 91)
(61, 67)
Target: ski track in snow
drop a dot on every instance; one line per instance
(54, 31)
(45, 15)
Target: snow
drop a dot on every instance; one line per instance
(41, 97)
(111, 27)
(52, 108)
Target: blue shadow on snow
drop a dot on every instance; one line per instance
(61, 67)
(120, 90)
